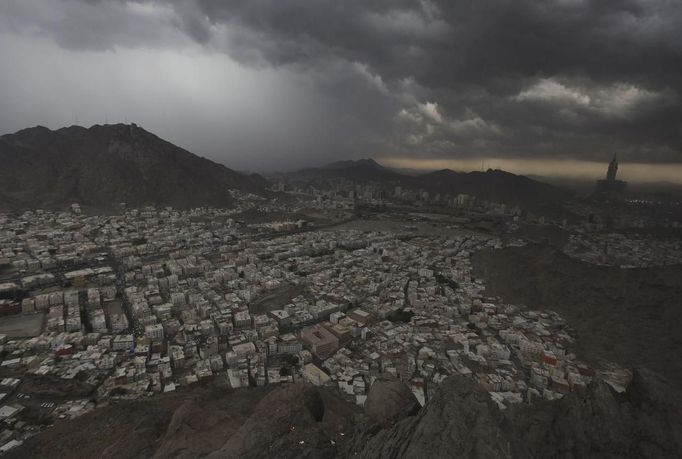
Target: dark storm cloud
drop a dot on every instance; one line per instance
(561, 78)
(455, 41)
(537, 77)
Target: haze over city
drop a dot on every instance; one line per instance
(274, 86)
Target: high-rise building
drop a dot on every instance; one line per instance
(613, 169)
(610, 185)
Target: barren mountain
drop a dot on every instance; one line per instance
(492, 185)
(497, 186)
(105, 165)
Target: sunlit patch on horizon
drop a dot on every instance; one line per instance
(560, 168)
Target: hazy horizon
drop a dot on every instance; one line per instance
(544, 167)
(643, 173)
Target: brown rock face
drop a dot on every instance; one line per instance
(105, 165)
(285, 424)
(461, 421)
(390, 400)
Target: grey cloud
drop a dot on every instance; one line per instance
(439, 43)
(622, 57)
(514, 77)
(95, 24)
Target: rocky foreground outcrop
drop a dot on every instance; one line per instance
(286, 423)
(388, 401)
(460, 420)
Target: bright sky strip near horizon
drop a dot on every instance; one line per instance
(547, 87)
(568, 169)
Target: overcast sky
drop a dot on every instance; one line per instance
(281, 84)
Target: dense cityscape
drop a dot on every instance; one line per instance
(103, 308)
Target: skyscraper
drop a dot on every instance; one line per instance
(610, 186)
(613, 169)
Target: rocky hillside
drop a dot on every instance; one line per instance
(296, 421)
(461, 421)
(492, 185)
(629, 316)
(105, 165)
(497, 186)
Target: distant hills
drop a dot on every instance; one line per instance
(105, 165)
(493, 184)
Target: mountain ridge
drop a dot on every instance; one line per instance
(493, 184)
(103, 165)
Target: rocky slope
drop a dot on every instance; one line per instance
(460, 420)
(105, 165)
(629, 316)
